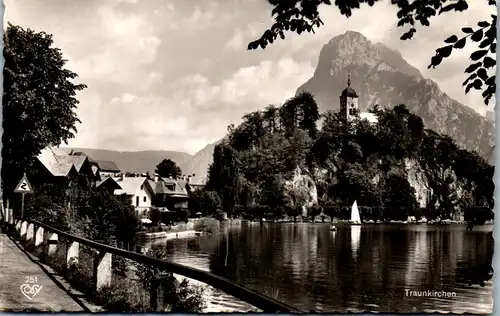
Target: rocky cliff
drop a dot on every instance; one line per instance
(381, 76)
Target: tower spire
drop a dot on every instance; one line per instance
(348, 78)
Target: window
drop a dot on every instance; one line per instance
(144, 199)
(142, 186)
(136, 201)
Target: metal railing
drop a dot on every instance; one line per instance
(42, 234)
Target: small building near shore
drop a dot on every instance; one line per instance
(138, 190)
(170, 193)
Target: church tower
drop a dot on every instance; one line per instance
(349, 102)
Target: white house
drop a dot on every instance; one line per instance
(138, 189)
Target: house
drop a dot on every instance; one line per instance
(58, 167)
(55, 167)
(138, 190)
(170, 193)
(107, 168)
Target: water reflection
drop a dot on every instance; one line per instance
(362, 269)
(355, 237)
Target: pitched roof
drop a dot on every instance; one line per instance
(78, 161)
(107, 179)
(107, 165)
(57, 162)
(171, 186)
(130, 185)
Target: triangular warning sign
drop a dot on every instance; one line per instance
(24, 186)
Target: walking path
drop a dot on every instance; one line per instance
(17, 269)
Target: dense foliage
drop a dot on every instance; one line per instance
(38, 101)
(89, 212)
(303, 16)
(168, 168)
(269, 164)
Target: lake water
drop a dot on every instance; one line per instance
(365, 268)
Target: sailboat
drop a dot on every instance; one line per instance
(355, 218)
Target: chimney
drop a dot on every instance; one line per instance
(189, 179)
(156, 178)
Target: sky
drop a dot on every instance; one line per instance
(172, 75)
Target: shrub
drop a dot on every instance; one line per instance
(123, 296)
(187, 298)
(314, 211)
(155, 216)
(207, 225)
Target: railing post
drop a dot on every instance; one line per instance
(162, 288)
(11, 216)
(72, 250)
(30, 231)
(39, 236)
(24, 228)
(52, 240)
(102, 270)
(18, 226)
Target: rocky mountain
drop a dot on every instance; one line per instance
(381, 76)
(137, 161)
(199, 163)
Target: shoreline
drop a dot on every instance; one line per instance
(345, 222)
(169, 235)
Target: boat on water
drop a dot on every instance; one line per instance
(333, 228)
(355, 218)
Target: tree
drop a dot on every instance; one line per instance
(38, 101)
(399, 199)
(224, 176)
(168, 168)
(303, 16)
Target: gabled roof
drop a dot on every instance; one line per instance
(171, 186)
(78, 161)
(57, 162)
(130, 185)
(108, 180)
(107, 165)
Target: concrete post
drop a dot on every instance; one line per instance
(11, 216)
(39, 236)
(72, 249)
(102, 270)
(18, 226)
(24, 228)
(51, 243)
(30, 232)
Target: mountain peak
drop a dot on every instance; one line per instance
(380, 75)
(353, 49)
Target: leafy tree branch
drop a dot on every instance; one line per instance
(301, 16)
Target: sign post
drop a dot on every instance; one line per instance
(24, 187)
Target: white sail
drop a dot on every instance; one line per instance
(355, 218)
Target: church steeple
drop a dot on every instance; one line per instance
(349, 101)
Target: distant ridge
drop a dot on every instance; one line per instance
(136, 161)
